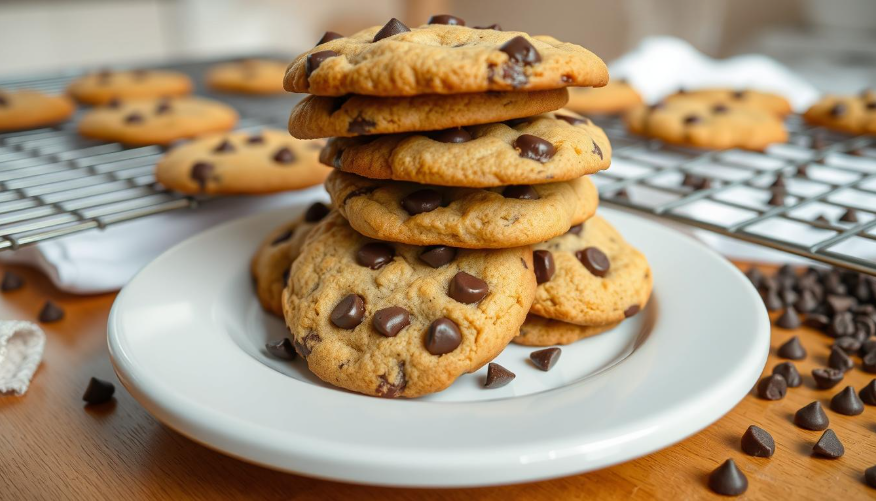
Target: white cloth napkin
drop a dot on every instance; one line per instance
(21, 350)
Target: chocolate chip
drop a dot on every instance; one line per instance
(867, 347)
(304, 347)
(390, 321)
(393, 27)
(802, 170)
(328, 37)
(842, 324)
(850, 216)
(846, 402)
(849, 344)
(870, 476)
(788, 371)
(839, 360)
(779, 182)
(719, 109)
(51, 312)
(789, 297)
(163, 107)
(596, 150)
(758, 443)
(201, 173)
(421, 201)
(829, 446)
(284, 156)
(224, 147)
(521, 51)
(772, 301)
(522, 192)
(282, 237)
(360, 125)
(694, 181)
(773, 387)
(594, 260)
(349, 312)
(495, 27)
(868, 393)
(315, 59)
(442, 337)
(571, 120)
(827, 378)
(692, 119)
(387, 389)
(134, 118)
(534, 148)
(806, 301)
(543, 265)
(11, 282)
(576, 230)
(497, 376)
(446, 19)
(455, 135)
(727, 480)
(777, 198)
(375, 255)
(838, 110)
(545, 359)
(792, 349)
(789, 319)
(811, 417)
(282, 349)
(98, 391)
(316, 212)
(438, 255)
(868, 362)
(467, 289)
(632, 310)
(256, 139)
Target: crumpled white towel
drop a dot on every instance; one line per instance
(21, 351)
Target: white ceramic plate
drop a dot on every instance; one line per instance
(187, 339)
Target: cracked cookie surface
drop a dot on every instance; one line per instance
(851, 114)
(104, 86)
(28, 109)
(540, 331)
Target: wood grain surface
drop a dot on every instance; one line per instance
(52, 447)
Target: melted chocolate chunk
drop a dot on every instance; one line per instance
(314, 60)
(349, 312)
(534, 148)
(632, 310)
(98, 391)
(282, 237)
(594, 260)
(328, 37)
(446, 19)
(456, 135)
(390, 321)
(543, 265)
(467, 289)
(497, 376)
(224, 147)
(438, 255)
(522, 192)
(576, 230)
(393, 27)
(360, 125)
(520, 51)
(375, 255)
(442, 337)
(256, 139)
(572, 120)
(284, 156)
(201, 173)
(134, 118)
(596, 150)
(316, 212)
(545, 359)
(421, 201)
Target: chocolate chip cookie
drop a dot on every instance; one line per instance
(697, 122)
(540, 331)
(852, 114)
(104, 86)
(242, 163)
(764, 101)
(249, 76)
(542, 149)
(394, 320)
(394, 60)
(28, 109)
(473, 218)
(156, 121)
(271, 262)
(347, 116)
(616, 97)
(590, 276)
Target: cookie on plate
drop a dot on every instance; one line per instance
(540, 331)
(347, 116)
(700, 123)
(104, 86)
(242, 163)
(542, 149)
(616, 97)
(395, 320)
(249, 76)
(29, 109)
(765, 101)
(394, 60)
(590, 276)
(157, 121)
(271, 262)
(852, 114)
(473, 218)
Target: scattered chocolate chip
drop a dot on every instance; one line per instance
(695, 182)
(772, 387)
(849, 344)
(727, 480)
(777, 198)
(846, 402)
(839, 360)
(543, 265)
(772, 301)
(390, 321)
(545, 359)
(720, 109)
(868, 393)
(284, 156)
(842, 324)
(789, 319)
(201, 173)
(349, 312)
(867, 347)
(788, 371)
(328, 37)
(495, 27)
(316, 212)
(387, 389)
(438, 255)
(758, 443)
(497, 376)
(442, 337)
(828, 446)
(792, 349)
(534, 148)
(870, 476)
(692, 119)
(224, 147)
(375, 255)
(134, 118)
(838, 110)
(594, 260)
(789, 297)
(827, 378)
(51, 312)
(868, 362)
(456, 135)
(421, 201)
(576, 230)
(11, 282)
(98, 391)
(446, 19)
(850, 216)
(281, 349)
(393, 27)
(314, 60)
(522, 192)
(572, 120)
(779, 182)
(256, 139)
(163, 107)
(596, 150)
(467, 289)
(806, 302)
(632, 310)
(811, 417)
(823, 220)
(282, 237)
(520, 51)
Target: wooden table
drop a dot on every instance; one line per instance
(52, 447)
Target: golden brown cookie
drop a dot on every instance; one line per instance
(348, 116)
(765, 101)
(472, 218)
(393, 60)
(616, 97)
(540, 331)
(104, 86)
(271, 262)
(387, 320)
(242, 163)
(590, 276)
(28, 109)
(157, 121)
(542, 149)
(851, 114)
(249, 76)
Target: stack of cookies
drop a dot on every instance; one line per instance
(463, 216)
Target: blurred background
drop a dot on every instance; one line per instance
(832, 43)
